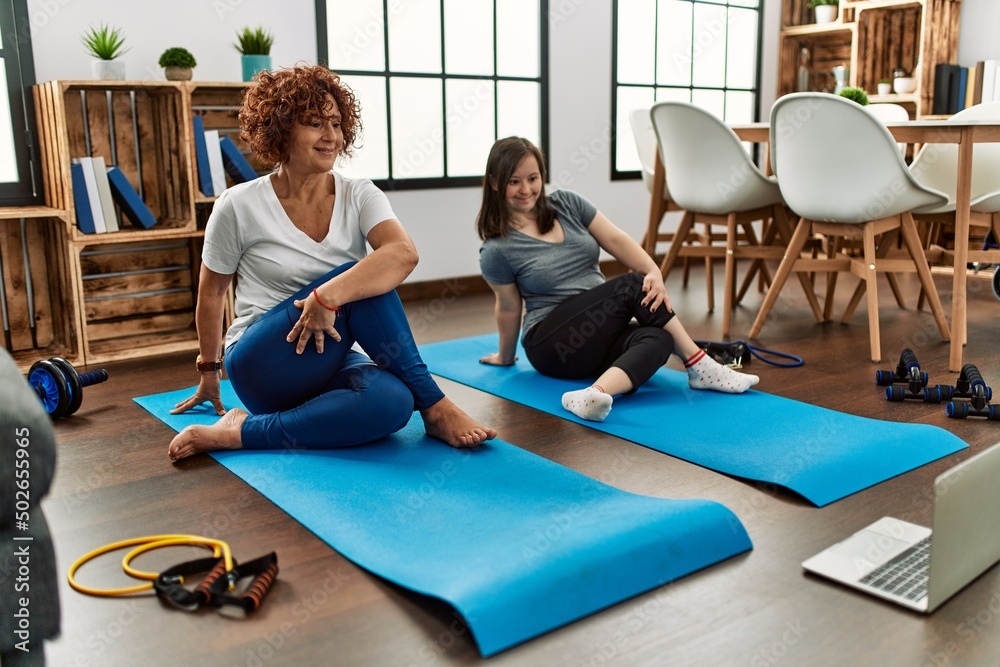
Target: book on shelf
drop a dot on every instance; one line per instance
(129, 200)
(976, 84)
(84, 216)
(201, 158)
(959, 82)
(215, 161)
(989, 81)
(93, 196)
(236, 165)
(104, 192)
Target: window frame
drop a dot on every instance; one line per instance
(635, 174)
(19, 60)
(424, 183)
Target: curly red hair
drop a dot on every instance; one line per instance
(278, 99)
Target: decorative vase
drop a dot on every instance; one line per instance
(826, 13)
(175, 73)
(253, 64)
(884, 88)
(108, 70)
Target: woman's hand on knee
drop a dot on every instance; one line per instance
(495, 359)
(315, 322)
(655, 291)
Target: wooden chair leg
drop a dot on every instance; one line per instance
(729, 288)
(680, 236)
(795, 245)
(912, 241)
(833, 246)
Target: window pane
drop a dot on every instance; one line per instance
(8, 161)
(415, 36)
(468, 36)
(356, 35)
(712, 101)
(739, 107)
(371, 160)
(673, 95)
(709, 48)
(673, 53)
(741, 59)
(745, 3)
(417, 128)
(629, 98)
(469, 119)
(636, 41)
(517, 38)
(517, 111)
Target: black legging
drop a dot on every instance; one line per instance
(589, 333)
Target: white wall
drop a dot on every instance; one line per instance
(440, 221)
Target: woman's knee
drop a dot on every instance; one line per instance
(395, 398)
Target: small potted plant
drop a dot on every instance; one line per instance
(105, 44)
(855, 95)
(884, 87)
(254, 45)
(177, 63)
(825, 10)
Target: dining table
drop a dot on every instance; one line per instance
(964, 133)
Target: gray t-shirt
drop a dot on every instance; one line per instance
(547, 273)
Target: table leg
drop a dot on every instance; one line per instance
(958, 296)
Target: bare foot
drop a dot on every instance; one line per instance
(223, 434)
(446, 421)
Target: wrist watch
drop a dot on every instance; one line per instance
(208, 366)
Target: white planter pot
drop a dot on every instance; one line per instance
(884, 88)
(108, 70)
(826, 13)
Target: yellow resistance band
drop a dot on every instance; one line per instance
(145, 544)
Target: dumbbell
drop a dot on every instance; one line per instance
(59, 386)
(907, 373)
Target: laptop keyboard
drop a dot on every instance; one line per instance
(905, 575)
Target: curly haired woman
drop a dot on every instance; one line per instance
(307, 290)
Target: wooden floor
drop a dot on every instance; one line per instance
(114, 481)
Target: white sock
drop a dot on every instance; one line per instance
(591, 403)
(704, 372)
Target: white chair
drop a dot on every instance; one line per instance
(936, 166)
(839, 169)
(891, 113)
(711, 176)
(660, 201)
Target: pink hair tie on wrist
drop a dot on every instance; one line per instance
(335, 309)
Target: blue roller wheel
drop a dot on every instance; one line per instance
(923, 379)
(932, 394)
(992, 414)
(51, 386)
(957, 410)
(895, 393)
(946, 391)
(883, 378)
(73, 381)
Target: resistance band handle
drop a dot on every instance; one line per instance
(169, 583)
(264, 571)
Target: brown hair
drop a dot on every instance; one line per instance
(278, 99)
(494, 217)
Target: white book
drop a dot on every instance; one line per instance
(989, 80)
(215, 161)
(104, 190)
(93, 195)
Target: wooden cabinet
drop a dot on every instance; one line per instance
(872, 38)
(95, 298)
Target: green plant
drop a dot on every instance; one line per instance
(254, 41)
(855, 95)
(104, 42)
(818, 3)
(177, 56)
(885, 80)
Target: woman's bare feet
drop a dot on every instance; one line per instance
(447, 422)
(223, 434)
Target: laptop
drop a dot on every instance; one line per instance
(920, 567)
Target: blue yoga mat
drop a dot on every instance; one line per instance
(519, 545)
(820, 454)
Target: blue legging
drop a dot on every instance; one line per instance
(338, 398)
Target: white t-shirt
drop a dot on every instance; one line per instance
(250, 234)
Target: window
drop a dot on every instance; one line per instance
(439, 81)
(20, 180)
(706, 52)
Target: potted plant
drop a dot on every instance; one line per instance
(254, 45)
(105, 44)
(855, 95)
(884, 87)
(825, 10)
(177, 63)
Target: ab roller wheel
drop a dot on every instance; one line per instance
(59, 386)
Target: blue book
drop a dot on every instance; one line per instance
(84, 217)
(963, 82)
(236, 165)
(201, 157)
(129, 200)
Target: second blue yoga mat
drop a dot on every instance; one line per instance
(519, 545)
(820, 454)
